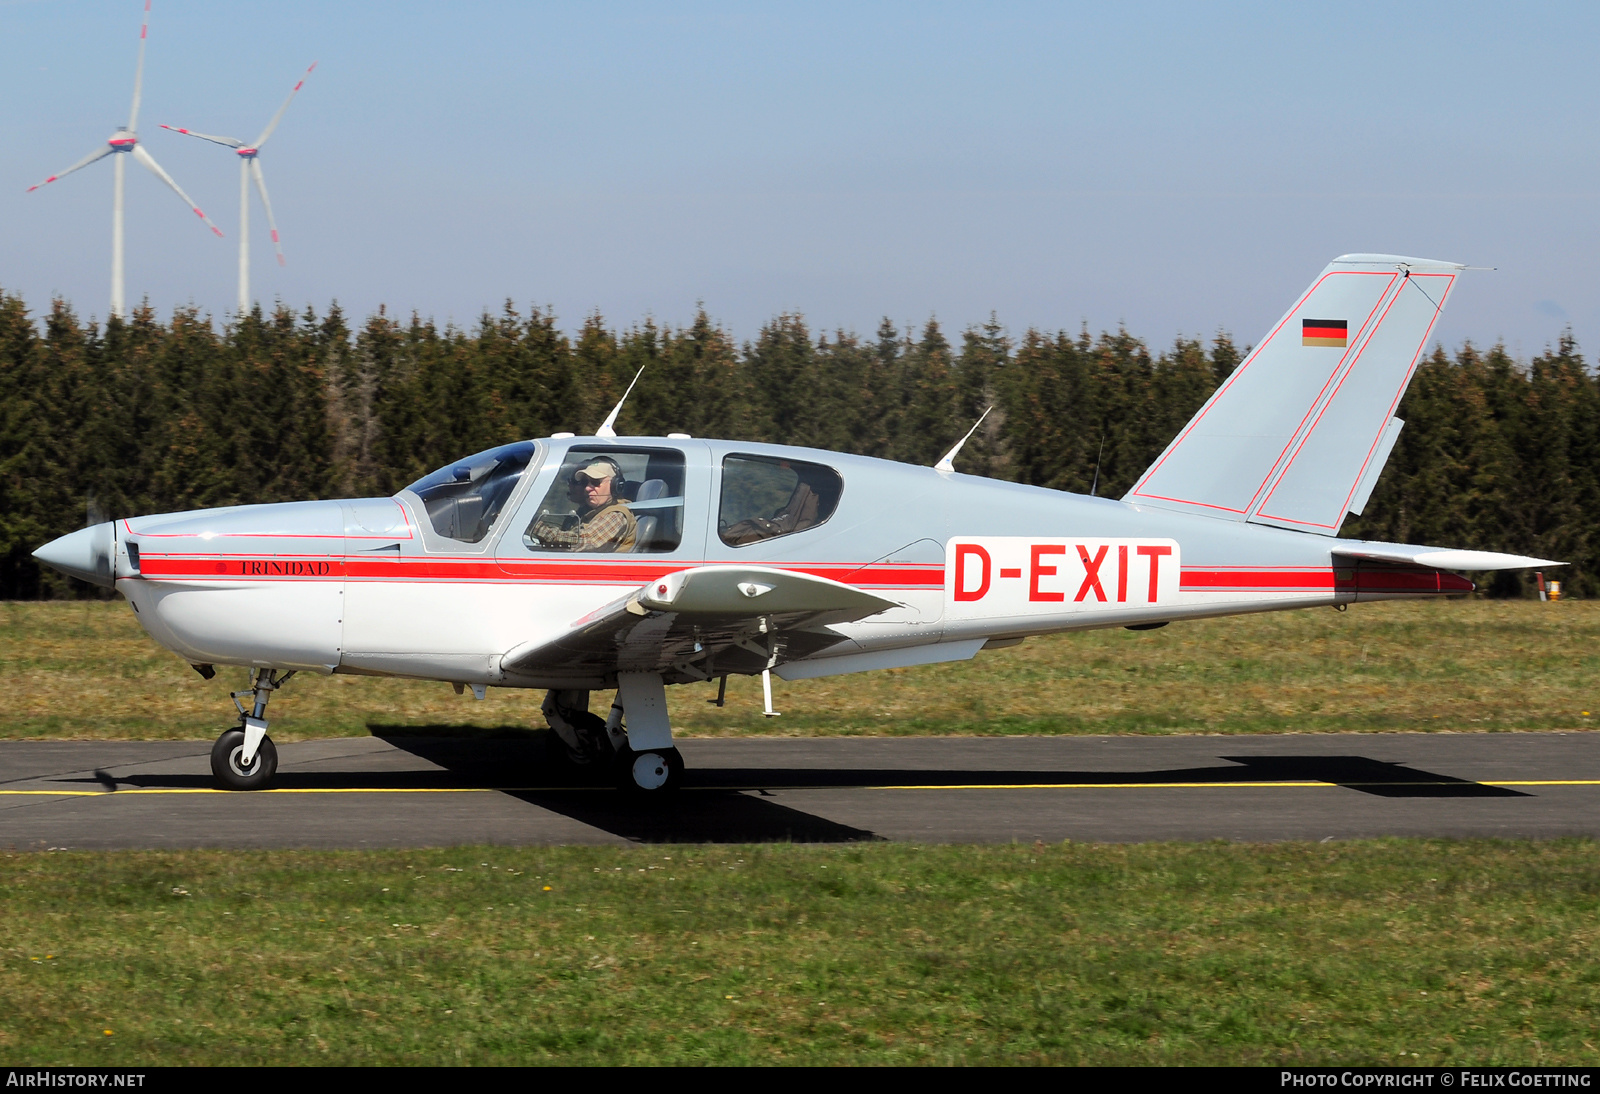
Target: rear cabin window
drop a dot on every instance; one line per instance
(463, 499)
(764, 498)
(608, 500)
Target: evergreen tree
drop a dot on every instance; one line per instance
(141, 416)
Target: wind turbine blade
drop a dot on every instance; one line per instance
(138, 76)
(261, 188)
(226, 142)
(97, 154)
(155, 168)
(278, 117)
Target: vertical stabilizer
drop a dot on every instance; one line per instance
(1298, 435)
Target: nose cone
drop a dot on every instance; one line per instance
(86, 553)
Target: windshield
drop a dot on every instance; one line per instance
(464, 498)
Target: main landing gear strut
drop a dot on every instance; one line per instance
(244, 757)
(641, 756)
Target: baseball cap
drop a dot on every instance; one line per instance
(594, 472)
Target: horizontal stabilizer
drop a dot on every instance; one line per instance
(1441, 558)
(1297, 436)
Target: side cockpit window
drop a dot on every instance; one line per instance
(763, 498)
(464, 498)
(610, 500)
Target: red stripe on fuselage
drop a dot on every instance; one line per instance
(571, 571)
(369, 567)
(1317, 580)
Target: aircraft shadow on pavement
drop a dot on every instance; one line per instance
(471, 764)
(726, 817)
(729, 805)
(1380, 777)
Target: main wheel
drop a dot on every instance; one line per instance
(653, 771)
(587, 766)
(231, 773)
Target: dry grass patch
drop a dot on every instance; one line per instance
(86, 670)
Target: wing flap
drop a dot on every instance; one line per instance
(697, 623)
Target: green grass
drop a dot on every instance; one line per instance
(1356, 953)
(1359, 953)
(86, 670)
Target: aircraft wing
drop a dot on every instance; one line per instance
(1440, 558)
(700, 623)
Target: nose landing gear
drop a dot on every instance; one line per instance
(244, 758)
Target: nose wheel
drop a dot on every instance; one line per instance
(229, 766)
(244, 758)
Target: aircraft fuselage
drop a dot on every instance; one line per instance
(370, 586)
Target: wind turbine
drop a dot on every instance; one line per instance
(250, 166)
(121, 144)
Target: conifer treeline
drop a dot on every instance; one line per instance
(141, 416)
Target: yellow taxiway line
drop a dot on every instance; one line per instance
(1285, 784)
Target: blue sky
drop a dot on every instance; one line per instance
(1177, 168)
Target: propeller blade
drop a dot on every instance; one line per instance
(261, 188)
(138, 77)
(226, 142)
(278, 117)
(99, 153)
(155, 168)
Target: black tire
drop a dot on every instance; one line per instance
(225, 762)
(652, 773)
(560, 766)
(590, 767)
(591, 729)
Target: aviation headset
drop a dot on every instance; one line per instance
(575, 484)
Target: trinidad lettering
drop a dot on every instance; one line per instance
(271, 567)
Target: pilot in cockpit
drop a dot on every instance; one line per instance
(604, 523)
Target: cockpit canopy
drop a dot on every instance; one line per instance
(463, 498)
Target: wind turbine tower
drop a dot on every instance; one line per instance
(122, 144)
(250, 167)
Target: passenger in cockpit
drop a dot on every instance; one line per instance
(605, 523)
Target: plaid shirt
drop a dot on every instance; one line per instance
(613, 528)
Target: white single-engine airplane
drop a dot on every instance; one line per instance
(572, 564)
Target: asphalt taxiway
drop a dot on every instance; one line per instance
(412, 791)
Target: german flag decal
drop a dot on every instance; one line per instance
(1325, 332)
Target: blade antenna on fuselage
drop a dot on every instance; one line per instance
(945, 463)
(606, 429)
